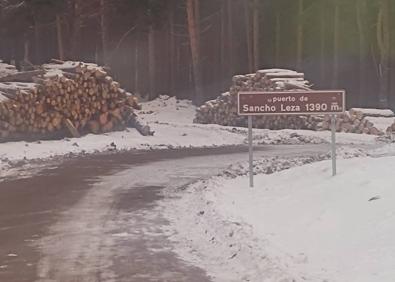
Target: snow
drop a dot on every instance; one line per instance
(381, 123)
(64, 65)
(6, 69)
(168, 109)
(172, 121)
(166, 136)
(278, 71)
(386, 150)
(299, 224)
(375, 112)
(70, 65)
(17, 85)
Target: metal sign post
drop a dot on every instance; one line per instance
(260, 103)
(250, 152)
(333, 127)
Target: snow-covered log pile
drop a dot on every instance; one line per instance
(6, 69)
(223, 110)
(62, 99)
(391, 130)
(357, 120)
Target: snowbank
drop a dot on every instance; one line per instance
(172, 121)
(166, 137)
(297, 224)
(381, 123)
(168, 109)
(6, 69)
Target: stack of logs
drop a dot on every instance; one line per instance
(223, 110)
(6, 69)
(62, 99)
(391, 131)
(358, 121)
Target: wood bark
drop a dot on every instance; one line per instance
(229, 8)
(256, 31)
(196, 10)
(336, 41)
(70, 126)
(151, 62)
(59, 36)
(76, 28)
(248, 30)
(361, 14)
(142, 127)
(62, 97)
(37, 40)
(277, 48)
(300, 35)
(104, 30)
(223, 64)
(172, 46)
(323, 23)
(136, 66)
(383, 42)
(26, 49)
(194, 45)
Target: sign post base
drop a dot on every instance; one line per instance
(333, 127)
(250, 152)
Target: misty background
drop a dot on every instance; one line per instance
(192, 48)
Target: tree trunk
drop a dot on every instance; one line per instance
(136, 66)
(383, 41)
(59, 35)
(361, 10)
(172, 49)
(76, 29)
(278, 40)
(250, 51)
(37, 41)
(104, 30)
(196, 8)
(256, 34)
(194, 45)
(335, 77)
(26, 49)
(223, 44)
(230, 37)
(323, 42)
(300, 35)
(151, 62)
(392, 58)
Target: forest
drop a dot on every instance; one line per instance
(192, 48)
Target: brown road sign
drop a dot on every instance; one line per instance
(291, 102)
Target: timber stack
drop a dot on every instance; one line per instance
(61, 99)
(223, 110)
(391, 130)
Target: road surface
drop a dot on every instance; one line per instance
(97, 219)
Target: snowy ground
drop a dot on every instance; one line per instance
(299, 224)
(172, 121)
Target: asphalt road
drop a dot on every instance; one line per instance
(96, 218)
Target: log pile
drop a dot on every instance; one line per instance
(62, 99)
(391, 131)
(6, 69)
(361, 121)
(223, 110)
